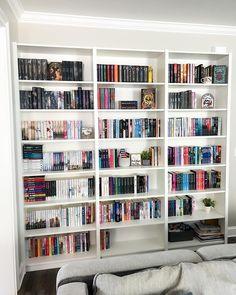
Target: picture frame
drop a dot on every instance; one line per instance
(135, 159)
(207, 101)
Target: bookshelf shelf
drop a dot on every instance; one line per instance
(55, 111)
(60, 173)
(133, 236)
(130, 169)
(57, 261)
(198, 215)
(131, 139)
(137, 246)
(131, 223)
(170, 168)
(195, 243)
(196, 110)
(54, 82)
(56, 141)
(129, 84)
(197, 85)
(130, 110)
(51, 203)
(58, 230)
(194, 192)
(197, 137)
(150, 194)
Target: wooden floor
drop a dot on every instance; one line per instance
(39, 283)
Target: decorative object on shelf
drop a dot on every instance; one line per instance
(55, 71)
(135, 159)
(150, 74)
(219, 74)
(148, 98)
(146, 158)
(128, 104)
(206, 80)
(208, 101)
(124, 159)
(209, 204)
(178, 232)
(87, 133)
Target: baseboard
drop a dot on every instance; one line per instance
(231, 231)
(21, 275)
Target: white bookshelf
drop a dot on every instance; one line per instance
(133, 236)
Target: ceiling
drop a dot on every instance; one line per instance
(213, 12)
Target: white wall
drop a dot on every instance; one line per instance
(8, 229)
(75, 36)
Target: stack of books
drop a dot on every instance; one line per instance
(207, 232)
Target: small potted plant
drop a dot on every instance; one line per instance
(146, 158)
(208, 203)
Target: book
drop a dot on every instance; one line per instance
(148, 98)
(219, 74)
(55, 71)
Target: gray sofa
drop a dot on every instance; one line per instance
(209, 270)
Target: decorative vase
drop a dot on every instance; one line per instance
(208, 209)
(124, 162)
(146, 162)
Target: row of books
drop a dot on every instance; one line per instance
(207, 232)
(121, 211)
(106, 98)
(180, 206)
(129, 128)
(38, 98)
(105, 239)
(60, 217)
(124, 73)
(185, 126)
(115, 185)
(50, 130)
(194, 180)
(60, 161)
(182, 100)
(56, 245)
(40, 69)
(191, 73)
(36, 188)
(194, 155)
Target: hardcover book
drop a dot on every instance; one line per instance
(219, 74)
(55, 71)
(148, 98)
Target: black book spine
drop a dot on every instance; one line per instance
(76, 71)
(39, 69)
(80, 71)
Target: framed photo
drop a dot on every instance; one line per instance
(208, 101)
(135, 159)
(87, 133)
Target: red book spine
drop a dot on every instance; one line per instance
(108, 73)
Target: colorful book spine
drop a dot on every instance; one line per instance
(184, 126)
(129, 128)
(121, 211)
(194, 155)
(109, 185)
(124, 73)
(56, 245)
(194, 180)
(180, 206)
(105, 239)
(60, 217)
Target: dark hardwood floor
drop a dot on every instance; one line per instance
(39, 283)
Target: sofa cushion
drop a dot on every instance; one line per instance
(217, 252)
(207, 277)
(73, 289)
(152, 281)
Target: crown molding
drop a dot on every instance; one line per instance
(124, 24)
(16, 8)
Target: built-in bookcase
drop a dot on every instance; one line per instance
(129, 236)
